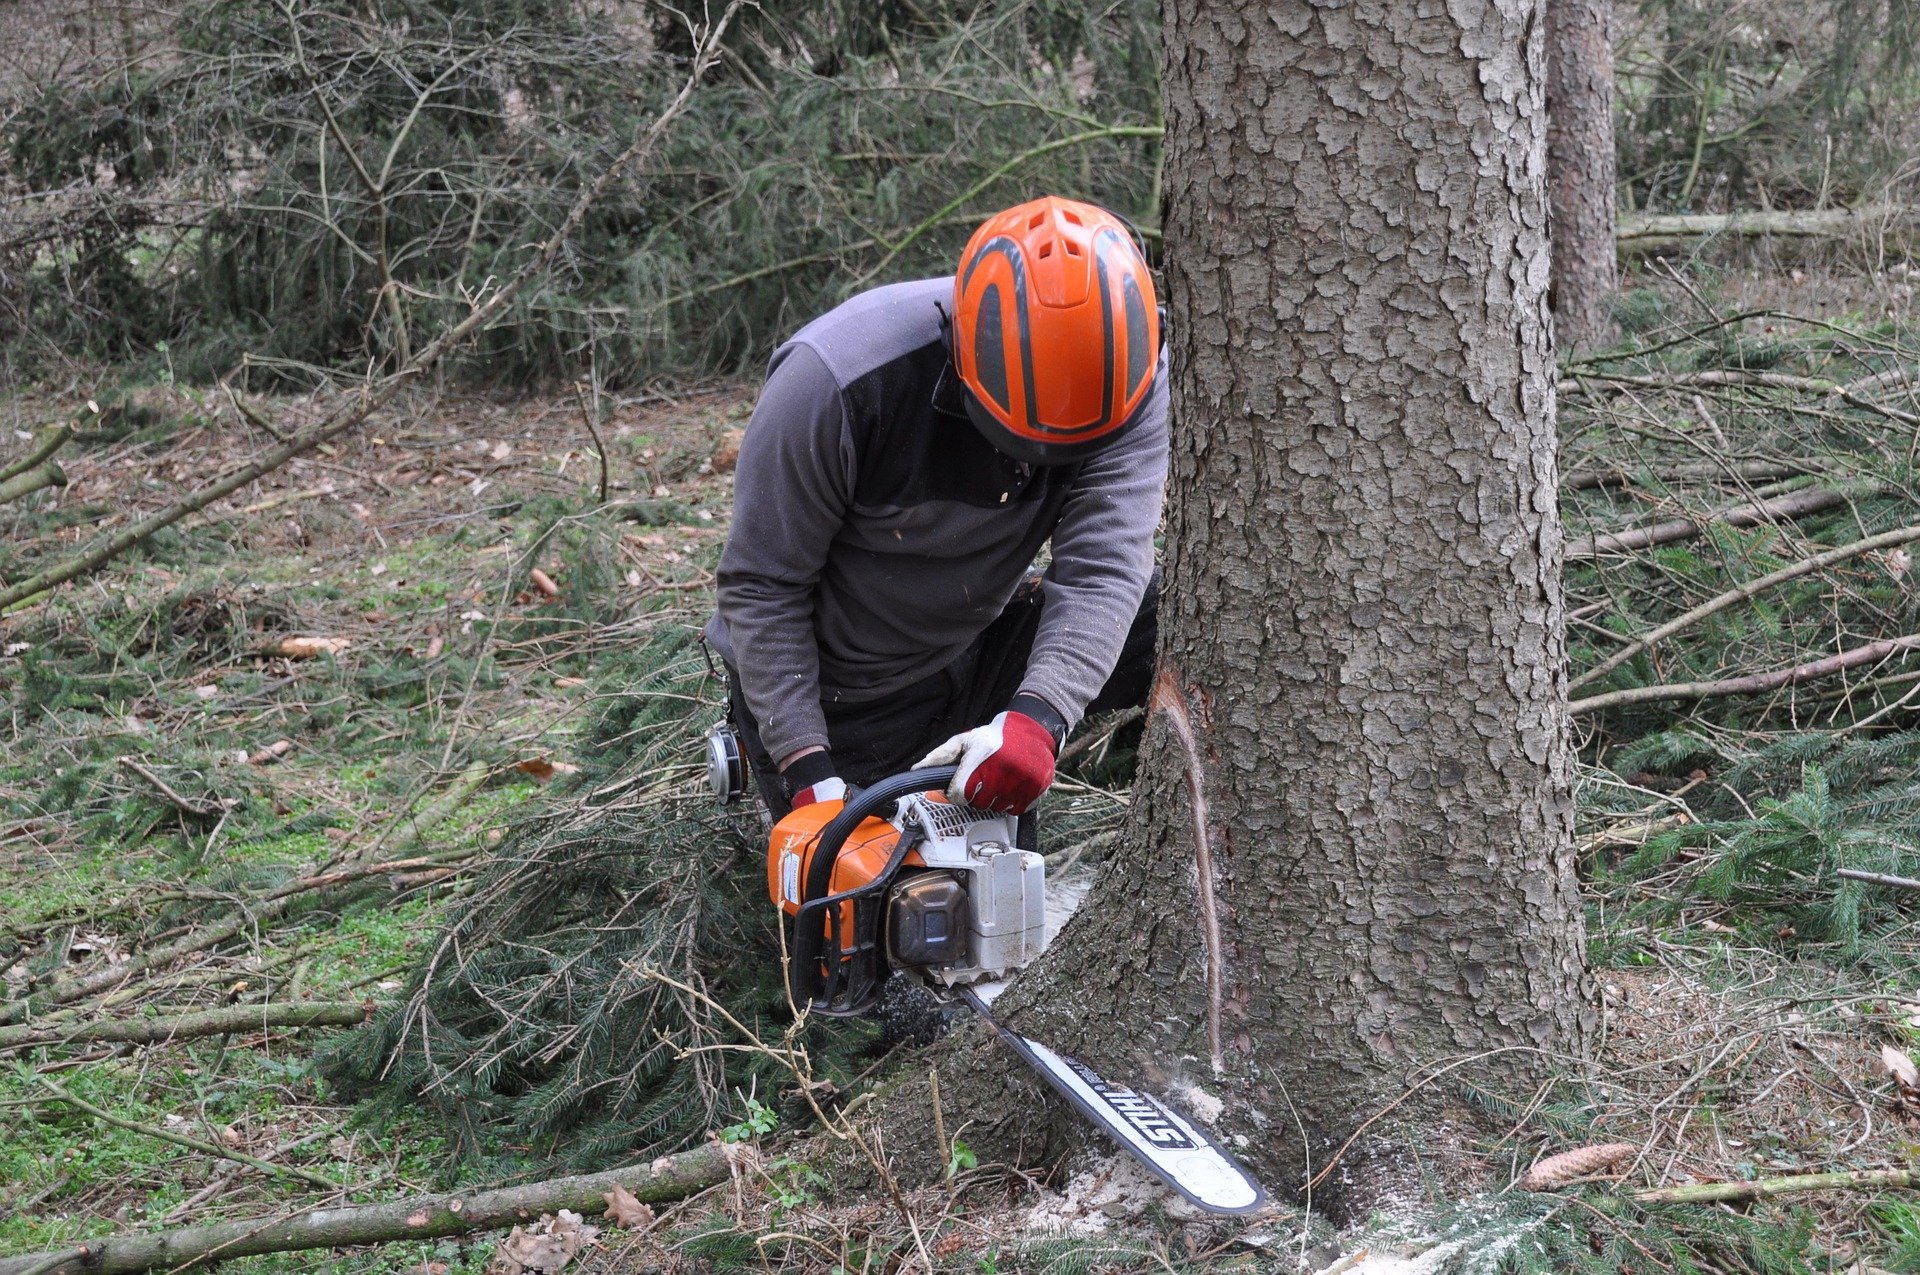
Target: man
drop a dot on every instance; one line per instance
(911, 453)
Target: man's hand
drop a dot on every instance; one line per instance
(1004, 765)
(810, 777)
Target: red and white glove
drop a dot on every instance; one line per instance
(1004, 765)
(814, 770)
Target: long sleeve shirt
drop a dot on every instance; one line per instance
(876, 533)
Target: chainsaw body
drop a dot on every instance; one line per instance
(899, 878)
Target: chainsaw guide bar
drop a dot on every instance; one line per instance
(1169, 1145)
(945, 893)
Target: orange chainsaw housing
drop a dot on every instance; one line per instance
(790, 855)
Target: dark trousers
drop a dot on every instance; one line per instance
(876, 738)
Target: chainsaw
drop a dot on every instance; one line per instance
(899, 880)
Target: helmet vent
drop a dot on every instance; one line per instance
(1073, 249)
(1046, 249)
(1039, 220)
(1068, 215)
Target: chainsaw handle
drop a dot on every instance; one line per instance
(868, 801)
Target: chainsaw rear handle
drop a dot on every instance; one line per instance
(809, 937)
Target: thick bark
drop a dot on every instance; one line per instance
(1351, 860)
(1580, 167)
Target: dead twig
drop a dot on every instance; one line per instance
(192, 1144)
(1878, 878)
(185, 805)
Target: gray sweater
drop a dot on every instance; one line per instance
(876, 533)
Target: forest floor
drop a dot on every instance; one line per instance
(172, 761)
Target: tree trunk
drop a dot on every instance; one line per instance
(1580, 167)
(1351, 858)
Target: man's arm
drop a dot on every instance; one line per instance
(1102, 559)
(791, 490)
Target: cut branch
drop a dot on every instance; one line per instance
(420, 1218)
(373, 395)
(1806, 566)
(211, 1022)
(1794, 505)
(1767, 1188)
(1753, 683)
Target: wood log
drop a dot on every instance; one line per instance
(1642, 233)
(420, 1218)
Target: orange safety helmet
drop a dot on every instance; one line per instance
(1056, 329)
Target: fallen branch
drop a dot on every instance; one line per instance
(211, 1022)
(1642, 232)
(372, 396)
(192, 1144)
(420, 1218)
(44, 445)
(1794, 505)
(1745, 471)
(42, 476)
(1767, 1188)
(1879, 878)
(1752, 683)
(1806, 566)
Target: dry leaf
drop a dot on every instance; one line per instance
(1570, 1166)
(544, 1247)
(727, 454)
(544, 582)
(271, 753)
(1900, 1067)
(568, 683)
(1714, 927)
(623, 1209)
(306, 648)
(501, 450)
